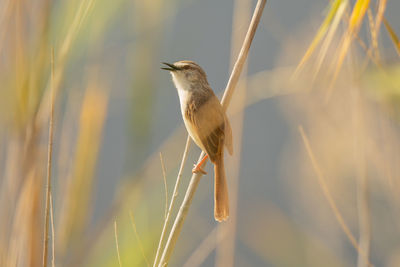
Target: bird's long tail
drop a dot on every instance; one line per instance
(221, 200)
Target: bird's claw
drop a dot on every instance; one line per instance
(198, 169)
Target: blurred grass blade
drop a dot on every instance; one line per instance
(358, 13)
(393, 36)
(164, 173)
(81, 15)
(379, 15)
(320, 34)
(5, 14)
(116, 243)
(328, 194)
(79, 190)
(138, 239)
(374, 36)
(329, 36)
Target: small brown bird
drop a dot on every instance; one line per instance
(206, 123)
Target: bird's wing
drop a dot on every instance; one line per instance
(228, 136)
(208, 122)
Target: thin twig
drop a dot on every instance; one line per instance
(363, 215)
(172, 203)
(53, 254)
(374, 35)
(138, 239)
(116, 243)
(181, 216)
(392, 35)
(363, 208)
(49, 160)
(329, 197)
(165, 185)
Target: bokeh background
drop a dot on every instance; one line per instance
(315, 177)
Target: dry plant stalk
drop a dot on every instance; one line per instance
(393, 36)
(138, 239)
(116, 242)
(164, 172)
(329, 197)
(53, 256)
(173, 198)
(363, 207)
(49, 161)
(234, 78)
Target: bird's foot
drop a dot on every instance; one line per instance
(197, 167)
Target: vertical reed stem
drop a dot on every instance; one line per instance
(49, 160)
(237, 69)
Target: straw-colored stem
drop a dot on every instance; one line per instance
(363, 209)
(164, 172)
(138, 239)
(116, 243)
(172, 203)
(329, 197)
(49, 160)
(53, 254)
(363, 217)
(237, 69)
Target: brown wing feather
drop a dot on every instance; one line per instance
(228, 136)
(208, 120)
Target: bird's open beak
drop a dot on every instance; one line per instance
(172, 67)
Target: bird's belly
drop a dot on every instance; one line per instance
(184, 96)
(193, 133)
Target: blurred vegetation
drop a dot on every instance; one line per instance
(339, 83)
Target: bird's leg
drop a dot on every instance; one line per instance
(197, 167)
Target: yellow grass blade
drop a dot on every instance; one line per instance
(393, 35)
(358, 13)
(374, 36)
(379, 15)
(329, 37)
(116, 243)
(320, 34)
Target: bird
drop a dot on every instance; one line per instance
(206, 123)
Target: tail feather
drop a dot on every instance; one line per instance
(221, 205)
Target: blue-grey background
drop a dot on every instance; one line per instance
(143, 112)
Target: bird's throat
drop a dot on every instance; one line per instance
(184, 90)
